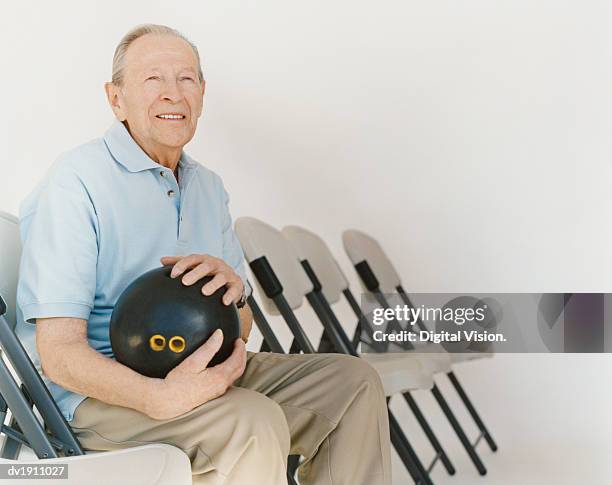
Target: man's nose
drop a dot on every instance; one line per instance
(171, 91)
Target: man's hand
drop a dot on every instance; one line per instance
(191, 383)
(201, 265)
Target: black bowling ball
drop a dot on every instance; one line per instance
(158, 322)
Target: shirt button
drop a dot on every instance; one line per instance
(162, 173)
(171, 193)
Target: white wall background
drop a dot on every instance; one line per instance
(471, 137)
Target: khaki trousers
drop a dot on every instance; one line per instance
(328, 408)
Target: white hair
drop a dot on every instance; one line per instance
(137, 32)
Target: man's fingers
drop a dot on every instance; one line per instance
(213, 285)
(197, 273)
(219, 378)
(234, 365)
(185, 263)
(198, 361)
(240, 347)
(234, 292)
(202, 265)
(167, 260)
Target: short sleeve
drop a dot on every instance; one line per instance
(232, 251)
(58, 263)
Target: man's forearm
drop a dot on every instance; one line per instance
(88, 372)
(77, 367)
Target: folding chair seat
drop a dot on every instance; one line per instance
(154, 464)
(53, 439)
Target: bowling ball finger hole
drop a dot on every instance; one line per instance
(157, 342)
(177, 344)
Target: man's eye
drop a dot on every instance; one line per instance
(153, 78)
(186, 78)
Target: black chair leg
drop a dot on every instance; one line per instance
(472, 410)
(459, 430)
(407, 454)
(440, 453)
(292, 466)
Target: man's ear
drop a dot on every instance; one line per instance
(203, 87)
(115, 100)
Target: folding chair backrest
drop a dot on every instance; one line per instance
(360, 247)
(313, 249)
(10, 253)
(258, 240)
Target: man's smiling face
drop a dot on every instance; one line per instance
(161, 95)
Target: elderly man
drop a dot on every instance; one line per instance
(118, 206)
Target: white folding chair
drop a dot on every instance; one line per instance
(379, 276)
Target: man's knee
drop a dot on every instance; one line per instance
(259, 417)
(357, 371)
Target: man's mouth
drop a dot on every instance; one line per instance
(171, 116)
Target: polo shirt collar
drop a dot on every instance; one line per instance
(128, 153)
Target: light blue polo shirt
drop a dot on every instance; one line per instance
(103, 215)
